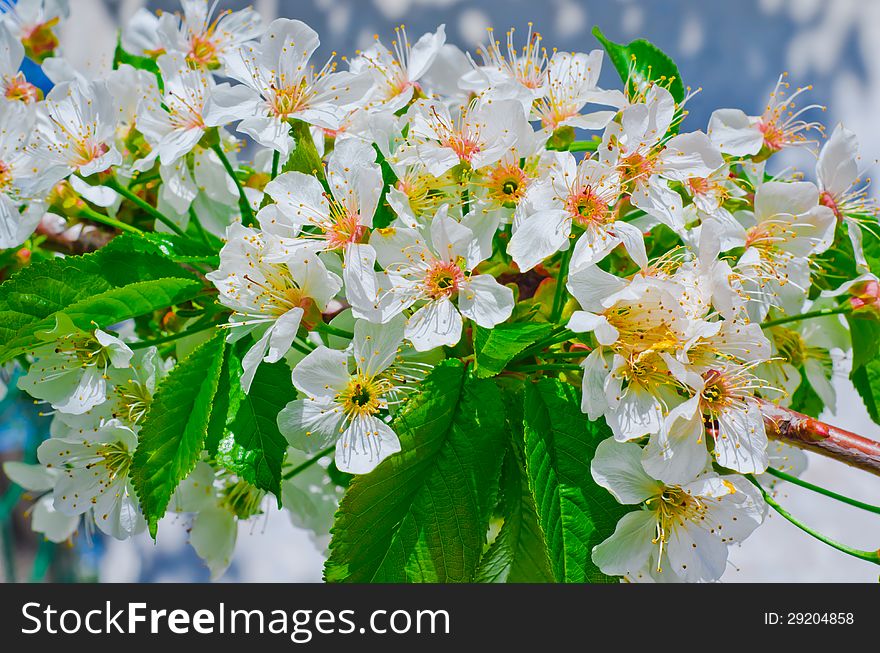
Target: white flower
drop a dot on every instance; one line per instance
(70, 370)
(17, 179)
(571, 84)
(53, 524)
(683, 531)
(476, 136)
(735, 133)
(639, 325)
(13, 85)
(129, 396)
(335, 220)
(789, 227)
(648, 161)
(204, 40)
(76, 131)
(344, 406)
(278, 86)
(396, 73)
(94, 475)
(726, 401)
(279, 292)
(436, 273)
(216, 503)
(33, 22)
(517, 74)
(837, 174)
(574, 195)
(174, 122)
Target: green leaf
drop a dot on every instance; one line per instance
(102, 288)
(866, 379)
(255, 448)
(805, 400)
(519, 552)
(422, 514)
(865, 336)
(220, 410)
(175, 248)
(495, 348)
(305, 157)
(648, 62)
(174, 430)
(575, 513)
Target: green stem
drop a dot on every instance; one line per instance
(806, 316)
(561, 278)
(567, 354)
(144, 178)
(584, 146)
(869, 556)
(94, 216)
(821, 490)
(334, 331)
(247, 213)
(196, 328)
(276, 161)
(562, 367)
(143, 205)
(311, 461)
(578, 146)
(303, 346)
(194, 218)
(560, 334)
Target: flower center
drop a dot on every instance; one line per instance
(673, 507)
(587, 208)
(40, 41)
(827, 199)
(116, 458)
(242, 499)
(716, 392)
(344, 227)
(289, 99)
(87, 151)
(636, 166)
(443, 279)
(18, 89)
(362, 397)
(774, 136)
(507, 185)
(134, 401)
(202, 51)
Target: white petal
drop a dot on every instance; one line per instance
(322, 374)
(838, 168)
(617, 466)
(435, 324)
(377, 345)
(364, 444)
(732, 132)
(539, 236)
(485, 301)
(310, 424)
(629, 548)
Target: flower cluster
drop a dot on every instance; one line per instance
(373, 213)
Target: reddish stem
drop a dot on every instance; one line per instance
(808, 433)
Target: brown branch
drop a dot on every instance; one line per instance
(808, 433)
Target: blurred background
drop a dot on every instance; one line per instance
(733, 50)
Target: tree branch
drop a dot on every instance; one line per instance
(807, 433)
